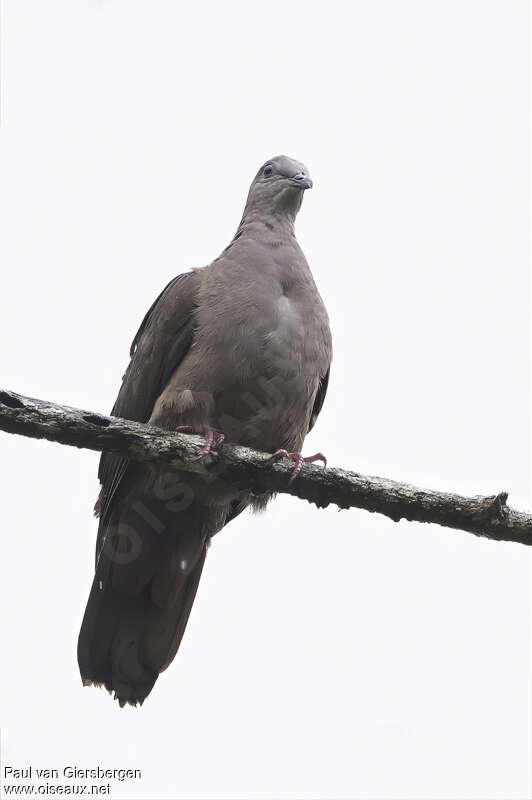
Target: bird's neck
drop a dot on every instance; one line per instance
(263, 226)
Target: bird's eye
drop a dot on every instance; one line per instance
(267, 171)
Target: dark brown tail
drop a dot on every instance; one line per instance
(138, 609)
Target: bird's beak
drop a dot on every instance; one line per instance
(301, 181)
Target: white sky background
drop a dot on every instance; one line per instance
(328, 654)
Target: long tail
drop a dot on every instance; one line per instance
(139, 605)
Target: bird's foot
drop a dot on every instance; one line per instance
(213, 440)
(299, 460)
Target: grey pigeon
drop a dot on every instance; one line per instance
(240, 350)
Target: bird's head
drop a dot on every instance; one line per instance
(278, 188)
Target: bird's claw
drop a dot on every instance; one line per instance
(299, 461)
(213, 440)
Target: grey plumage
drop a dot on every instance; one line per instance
(243, 347)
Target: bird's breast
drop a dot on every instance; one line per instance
(288, 317)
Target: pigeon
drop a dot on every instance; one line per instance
(237, 351)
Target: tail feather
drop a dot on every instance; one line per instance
(128, 637)
(187, 601)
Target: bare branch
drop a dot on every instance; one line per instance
(249, 469)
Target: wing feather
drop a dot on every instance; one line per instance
(319, 399)
(160, 344)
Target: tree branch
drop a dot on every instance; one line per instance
(248, 469)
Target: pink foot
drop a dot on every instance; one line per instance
(299, 461)
(213, 440)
